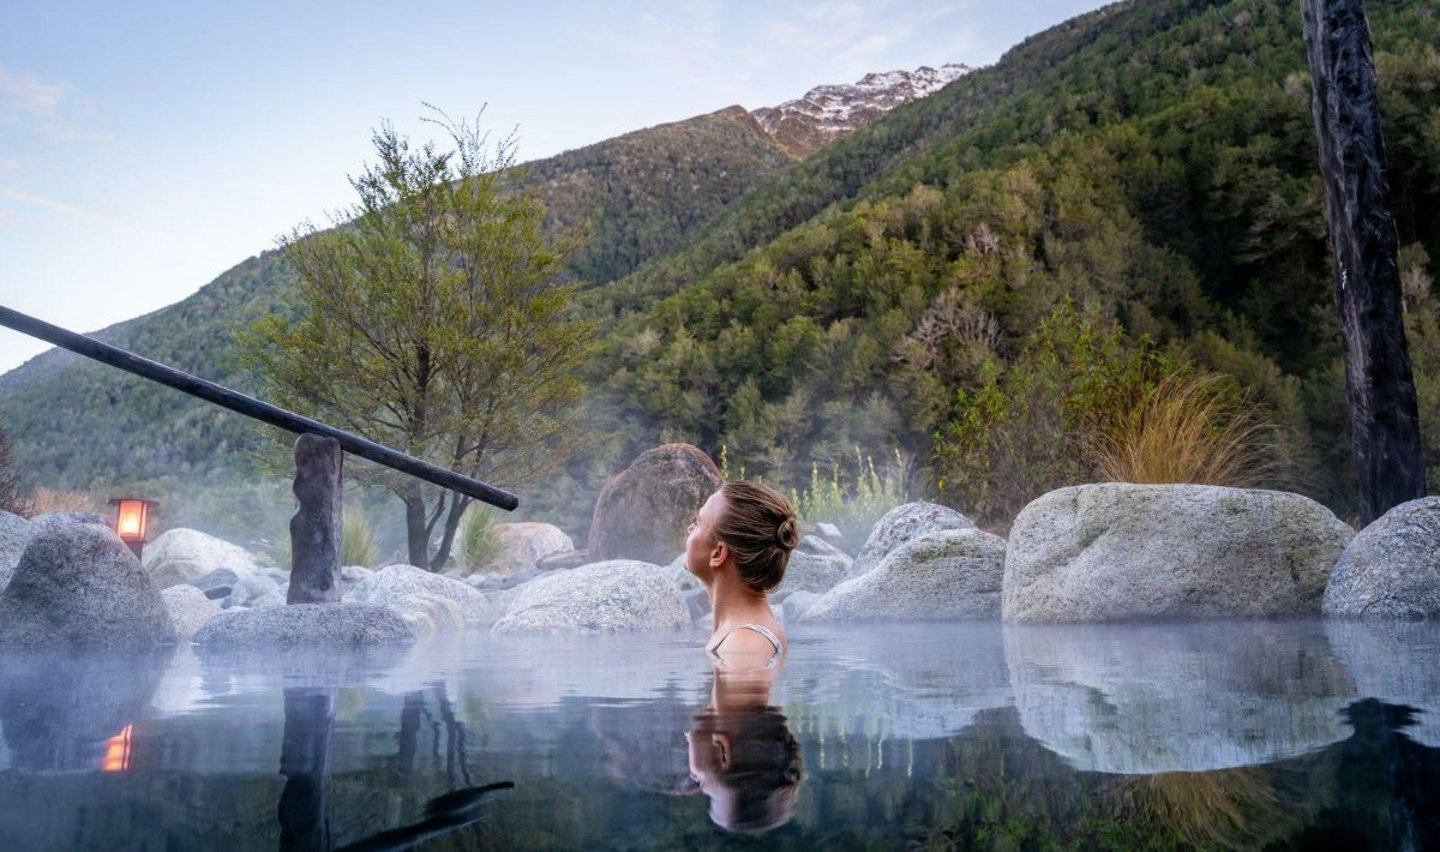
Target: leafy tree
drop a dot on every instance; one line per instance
(433, 319)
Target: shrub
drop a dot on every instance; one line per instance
(479, 541)
(357, 541)
(855, 502)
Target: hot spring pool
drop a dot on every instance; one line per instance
(1293, 734)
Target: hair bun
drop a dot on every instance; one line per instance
(788, 534)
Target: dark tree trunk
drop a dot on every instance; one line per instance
(315, 528)
(417, 531)
(1384, 419)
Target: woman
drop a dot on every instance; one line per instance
(738, 546)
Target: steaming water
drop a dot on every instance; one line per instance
(1298, 734)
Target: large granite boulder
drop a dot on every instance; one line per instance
(391, 584)
(1391, 570)
(15, 535)
(619, 594)
(185, 555)
(189, 608)
(427, 613)
(905, 523)
(815, 565)
(523, 545)
(304, 625)
(949, 573)
(643, 512)
(78, 584)
(1116, 551)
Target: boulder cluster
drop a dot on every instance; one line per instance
(1105, 552)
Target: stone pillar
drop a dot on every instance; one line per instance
(315, 528)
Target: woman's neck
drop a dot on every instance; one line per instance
(734, 603)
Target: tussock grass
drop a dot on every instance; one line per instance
(1192, 427)
(1222, 809)
(357, 541)
(478, 543)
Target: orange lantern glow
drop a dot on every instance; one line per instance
(117, 752)
(132, 516)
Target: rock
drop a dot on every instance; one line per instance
(1117, 551)
(1391, 570)
(15, 535)
(78, 584)
(797, 604)
(388, 585)
(189, 608)
(428, 613)
(697, 601)
(563, 561)
(351, 575)
(251, 588)
(306, 625)
(680, 575)
(949, 573)
(904, 523)
(523, 545)
(604, 596)
(643, 512)
(815, 565)
(315, 527)
(830, 532)
(184, 555)
(218, 584)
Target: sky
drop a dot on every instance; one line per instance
(147, 147)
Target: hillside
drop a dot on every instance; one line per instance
(1137, 186)
(965, 281)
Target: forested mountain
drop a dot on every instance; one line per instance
(967, 280)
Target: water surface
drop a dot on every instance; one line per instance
(1283, 735)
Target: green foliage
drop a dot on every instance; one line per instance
(1026, 429)
(853, 500)
(357, 541)
(434, 321)
(13, 498)
(479, 543)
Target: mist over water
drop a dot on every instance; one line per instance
(1236, 734)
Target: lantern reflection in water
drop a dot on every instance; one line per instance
(117, 752)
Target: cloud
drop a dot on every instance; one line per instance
(52, 205)
(48, 108)
(31, 94)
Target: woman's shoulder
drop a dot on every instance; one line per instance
(750, 640)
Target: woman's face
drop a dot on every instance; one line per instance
(700, 544)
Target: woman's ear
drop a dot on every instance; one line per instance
(722, 749)
(718, 554)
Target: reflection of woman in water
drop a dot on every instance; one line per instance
(738, 546)
(743, 756)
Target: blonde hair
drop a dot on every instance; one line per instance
(758, 525)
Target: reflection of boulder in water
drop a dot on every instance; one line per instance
(915, 681)
(1396, 663)
(58, 711)
(1177, 697)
